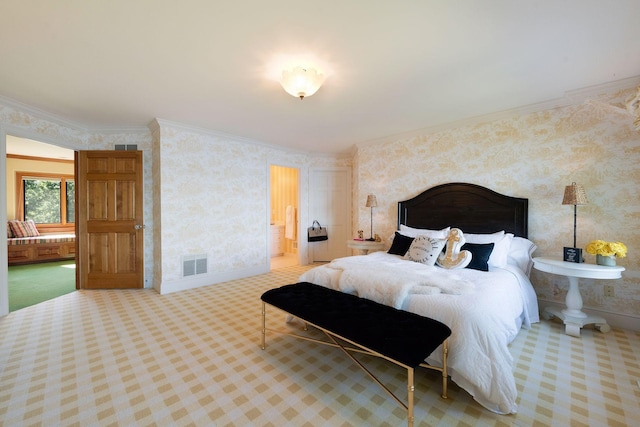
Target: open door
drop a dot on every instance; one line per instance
(109, 225)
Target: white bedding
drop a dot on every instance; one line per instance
(484, 310)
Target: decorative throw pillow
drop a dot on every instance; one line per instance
(23, 228)
(502, 244)
(400, 245)
(453, 257)
(425, 249)
(9, 232)
(480, 253)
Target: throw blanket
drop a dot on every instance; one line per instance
(385, 283)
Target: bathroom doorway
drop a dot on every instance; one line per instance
(284, 217)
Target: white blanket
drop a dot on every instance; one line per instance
(483, 309)
(386, 284)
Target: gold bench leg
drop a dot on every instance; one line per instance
(264, 326)
(410, 390)
(445, 375)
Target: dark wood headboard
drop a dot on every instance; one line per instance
(469, 207)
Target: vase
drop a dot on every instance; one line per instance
(609, 260)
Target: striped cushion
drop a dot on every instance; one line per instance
(23, 228)
(43, 238)
(9, 232)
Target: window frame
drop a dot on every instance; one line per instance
(63, 226)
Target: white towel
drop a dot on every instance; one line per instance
(290, 223)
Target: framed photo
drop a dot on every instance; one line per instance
(572, 254)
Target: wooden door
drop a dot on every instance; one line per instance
(329, 203)
(110, 220)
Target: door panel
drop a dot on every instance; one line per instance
(330, 204)
(110, 231)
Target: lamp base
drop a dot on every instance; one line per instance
(370, 239)
(572, 255)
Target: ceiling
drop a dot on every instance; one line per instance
(391, 67)
(31, 148)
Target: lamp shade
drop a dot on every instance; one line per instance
(574, 195)
(301, 82)
(372, 202)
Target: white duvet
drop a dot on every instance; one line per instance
(484, 310)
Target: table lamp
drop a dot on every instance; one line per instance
(372, 202)
(574, 195)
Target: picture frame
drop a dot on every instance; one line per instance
(572, 255)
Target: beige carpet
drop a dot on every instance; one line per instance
(193, 358)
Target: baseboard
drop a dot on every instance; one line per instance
(615, 320)
(208, 279)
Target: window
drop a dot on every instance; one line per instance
(47, 199)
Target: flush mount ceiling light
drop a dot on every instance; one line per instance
(301, 81)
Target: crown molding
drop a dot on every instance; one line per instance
(580, 95)
(156, 125)
(41, 114)
(570, 97)
(70, 124)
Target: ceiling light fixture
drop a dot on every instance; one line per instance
(301, 82)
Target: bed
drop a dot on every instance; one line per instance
(484, 309)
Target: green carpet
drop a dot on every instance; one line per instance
(35, 283)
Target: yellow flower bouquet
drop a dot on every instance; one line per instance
(600, 247)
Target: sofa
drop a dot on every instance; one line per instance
(26, 245)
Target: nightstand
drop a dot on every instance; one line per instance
(573, 316)
(365, 245)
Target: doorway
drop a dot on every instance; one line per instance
(42, 165)
(284, 214)
(330, 204)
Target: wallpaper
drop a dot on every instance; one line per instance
(211, 198)
(534, 156)
(206, 193)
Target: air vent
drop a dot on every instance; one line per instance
(194, 264)
(128, 147)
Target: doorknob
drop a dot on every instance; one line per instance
(139, 227)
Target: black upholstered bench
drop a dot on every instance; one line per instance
(401, 337)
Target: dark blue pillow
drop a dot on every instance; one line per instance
(400, 245)
(480, 255)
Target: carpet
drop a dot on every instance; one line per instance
(34, 283)
(193, 358)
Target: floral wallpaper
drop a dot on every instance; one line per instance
(534, 156)
(211, 198)
(207, 193)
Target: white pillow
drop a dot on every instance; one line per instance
(425, 249)
(520, 254)
(501, 245)
(414, 232)
(484, 238)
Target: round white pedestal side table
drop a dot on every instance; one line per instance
(573, 316)
(365, 245)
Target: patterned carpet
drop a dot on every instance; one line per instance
(193, 358)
